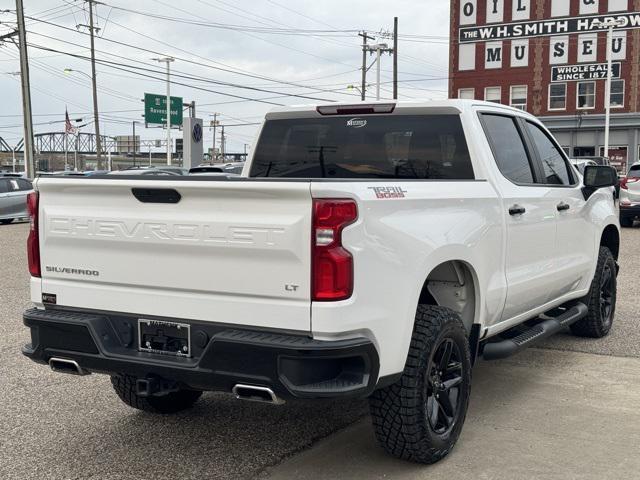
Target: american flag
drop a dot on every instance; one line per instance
(68, 127)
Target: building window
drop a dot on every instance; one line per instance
(519, 97)
(557, 96)
(492, 94)
(617, 93)
(467, 93)
(586, 95)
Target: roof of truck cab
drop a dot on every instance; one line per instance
(401, 107)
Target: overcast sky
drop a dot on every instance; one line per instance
(307, 51)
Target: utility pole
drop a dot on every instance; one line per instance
(363, 87)
(609, 25)
(395, 58)
(379, 49)
(222, 144)
(134, 142)
(378, 53)
(96, 121)
(168, 61)
(29, 161)
(214, 125)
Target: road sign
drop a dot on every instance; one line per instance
(155, 110)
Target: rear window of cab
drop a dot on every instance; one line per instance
(376, 146)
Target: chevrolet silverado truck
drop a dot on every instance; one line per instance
(368, 250)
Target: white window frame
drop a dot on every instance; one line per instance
(566, 89)
(526, 97)
(472, 90)
(595, 93)
(624, 86)
(499, 94)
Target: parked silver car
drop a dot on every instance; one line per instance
(13, 198)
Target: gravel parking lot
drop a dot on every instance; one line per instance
(56, 426)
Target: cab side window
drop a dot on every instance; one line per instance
(554, 167)
(4, 185)
(508, 148)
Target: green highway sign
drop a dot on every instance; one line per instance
(155, 110)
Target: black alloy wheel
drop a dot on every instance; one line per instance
(443, 383)
(607, 295)
(601, 299)
(420, 416)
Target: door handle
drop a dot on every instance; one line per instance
(516, 210)
(563, 206)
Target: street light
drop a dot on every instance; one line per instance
(168, 61)
(71, 70)
(95, 114)
(609, 24)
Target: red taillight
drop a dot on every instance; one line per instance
(33, 244)
(332, 264)
(626, 180)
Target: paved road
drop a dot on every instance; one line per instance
(540, 415)
(56, 426)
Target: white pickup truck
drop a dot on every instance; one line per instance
(368, 250)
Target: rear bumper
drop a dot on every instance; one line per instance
(222, 356)
(630, 211)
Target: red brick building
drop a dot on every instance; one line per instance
(549, 58)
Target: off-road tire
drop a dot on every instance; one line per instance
(594, 325)
(6, 221)
(399, 411)
(626, 222)
(125, 387)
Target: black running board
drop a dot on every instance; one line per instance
(546, 328)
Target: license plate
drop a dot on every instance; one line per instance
(165, 338)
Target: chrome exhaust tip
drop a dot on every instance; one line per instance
(64, 365)
(253, 393)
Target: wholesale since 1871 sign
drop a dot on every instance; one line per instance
(588, 71)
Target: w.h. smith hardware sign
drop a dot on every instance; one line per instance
(543, 28)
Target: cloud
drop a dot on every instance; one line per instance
(318, 62)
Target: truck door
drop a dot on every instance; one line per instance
(576, 235)
(530, 216)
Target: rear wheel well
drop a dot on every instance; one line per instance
(611, 239)
(452, 284)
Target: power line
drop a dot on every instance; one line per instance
(128, 67)
(182, 59)
(225, 26)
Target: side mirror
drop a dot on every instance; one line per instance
(598, 176)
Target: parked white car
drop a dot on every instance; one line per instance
(376, 250)
(630, 196)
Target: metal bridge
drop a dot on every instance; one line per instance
(60, 142)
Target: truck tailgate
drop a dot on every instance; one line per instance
(233, 252)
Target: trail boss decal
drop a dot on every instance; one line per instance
(388, 192)
(356, 122)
